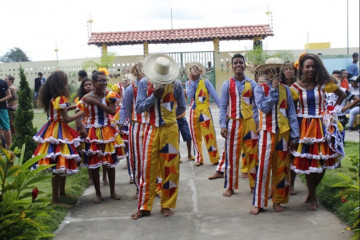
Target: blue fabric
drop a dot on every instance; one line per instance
(184, 129)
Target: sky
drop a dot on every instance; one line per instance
(38, 27)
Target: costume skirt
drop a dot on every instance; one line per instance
(319, 147)
(58, 142)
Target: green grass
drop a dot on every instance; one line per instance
(327, 195)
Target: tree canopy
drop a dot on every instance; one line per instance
(15, 55)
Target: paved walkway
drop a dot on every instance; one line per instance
(202, 212)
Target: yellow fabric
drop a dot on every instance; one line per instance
(202, 90)
(246, 108)
(330, 87)
(111, 97)
(115, 88)
(283, 121)
(60, 102)
(294, 94)
(168, 112)
(155, 159)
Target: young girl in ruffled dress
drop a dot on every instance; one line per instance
(106, 145)
(56, 139)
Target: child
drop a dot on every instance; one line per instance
(106, 145)
(56, 139)
(279, 131)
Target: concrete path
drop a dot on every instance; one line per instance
(202, 212)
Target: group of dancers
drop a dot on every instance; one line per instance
(273, 125)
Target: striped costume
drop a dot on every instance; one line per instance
(106, 145)
(277, 115)
(136, 129)
(314, 152)
(120, 90)
(57, 140)
(238, 114)
(201, 122)
(161, 145)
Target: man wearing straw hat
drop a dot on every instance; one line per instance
(238, 120)
(279, 132)
(199, 90)
(161, 100)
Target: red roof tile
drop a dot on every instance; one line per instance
(181, 35)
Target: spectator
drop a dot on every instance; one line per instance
(353, 68)
(12, 103)
(81, 75)
(38, 82)
(344, 81)
(5, 95)
(354, 81)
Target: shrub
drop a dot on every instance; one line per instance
(23, 119)
(19, 203)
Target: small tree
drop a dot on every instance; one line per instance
(23, 118)
(15, 55)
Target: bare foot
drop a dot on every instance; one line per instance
(91, 183)
(166, 212)
(191, 158)
(313, 206)
(215, 163)
(140, 214)
(308, 199)
(97, 199)
(278, 207)
(125, 167)
(245, 175)
(252, 190)
(158, 194)
(293, 191)
(256, 211)
(216, 175)
(135, 196)
(198, 164)
(131, 181)
(180, 161)
(115, 196)
(105, 182)
(228, 193)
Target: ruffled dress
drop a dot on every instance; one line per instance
(84, 145)
(319, 146)
(58, 141)
(106, 145)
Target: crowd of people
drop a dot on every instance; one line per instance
(289, 120)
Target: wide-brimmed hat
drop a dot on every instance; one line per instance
(160, 68)
(271, 63)
(198, 65)
(354, 79)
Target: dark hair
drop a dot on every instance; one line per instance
(322, 76)
(11, 78)
(355, 54)
(82, 73)
(96, 74)
(40, 73)
(54, 86)
(336, 72)
(81, 92)
(237, 55)
(282, 72)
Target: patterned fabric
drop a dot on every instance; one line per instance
(241, 138)
(106, 145)
(201, 125)
(57, 140)
(140, 117)
(161, 151)
(240, 105)
(276, 117)
(273, 156)
(314, 152)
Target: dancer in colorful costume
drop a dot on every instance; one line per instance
(106, 145)
(279, 132)
(161, 98)
(56, 139)
(238, 122)
(199, 90)
(316, 151)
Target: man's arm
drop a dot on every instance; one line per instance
(212, 92)
(180, 98)
(224, 99)
(7, 96)
(143, 102)
(125, 110)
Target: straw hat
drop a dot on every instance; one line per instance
(271, 63)
(160, 69)
(198, 65)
